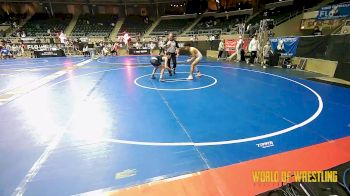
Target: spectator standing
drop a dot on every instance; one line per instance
(267, 52)
(221, 48)
(62, 37)
(253, 49)
(211, 39)
(86, 52)
(126, 38)
(239, 48)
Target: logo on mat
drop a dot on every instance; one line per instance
(265, 144)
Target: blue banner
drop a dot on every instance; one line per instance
(334, 11)
(288, 45)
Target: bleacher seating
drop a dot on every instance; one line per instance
(98, 25)
(277, 14)
(223, 23)
(10, 18)
(40, 23)
(135, 25)
(172, 25)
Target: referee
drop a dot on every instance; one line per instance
(172, 48)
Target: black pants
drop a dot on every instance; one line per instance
(114, 52)
(172, 58)
(161, 50)
(252, 56)
(220, 54)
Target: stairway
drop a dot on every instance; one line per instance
(71, 25)
(192, 25)
(114, 33)
(153, 26)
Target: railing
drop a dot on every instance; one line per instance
(210, 31)
(91, 34)
(340, 27)
(164, 32)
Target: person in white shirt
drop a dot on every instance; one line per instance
(23, 34)
(253, 49)
(62, 37)
(221, 48)
(152, 46)
(239, 48)
(86, 52)
(105, 51)
(126, 39)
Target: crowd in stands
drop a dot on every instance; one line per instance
(44, 25)
(13, 20)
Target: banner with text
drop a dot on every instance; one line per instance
(288, 45)
(334, 11)
(230, 45)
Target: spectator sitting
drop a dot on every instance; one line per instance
(137, 45)
(23, 34)
(317, 31)
(192, 38)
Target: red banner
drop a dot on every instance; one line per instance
(230, 45)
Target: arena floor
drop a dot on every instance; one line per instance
(73, 126)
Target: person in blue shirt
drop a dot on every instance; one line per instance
(5, 53)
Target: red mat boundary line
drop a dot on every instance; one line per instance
(237, 179)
